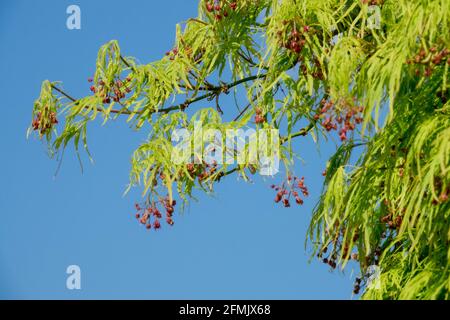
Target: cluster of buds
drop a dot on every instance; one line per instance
(293, 37)
(426, 60)
(391, 222)
(374, 257)
(357, 285)
(290, 188)
(296, 38)
(220, 9)
(44, 125)
(150, 216)
(338, 246)
(316, 71)
(259, 117)
(201, 171)
(172, 53)
(330, 260)
(118, 90)
(343, 120)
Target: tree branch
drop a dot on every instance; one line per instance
(215, 91)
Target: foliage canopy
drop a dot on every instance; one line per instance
(307, 68)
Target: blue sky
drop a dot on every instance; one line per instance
(237, 244)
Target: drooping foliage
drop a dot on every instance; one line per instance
(374, 74)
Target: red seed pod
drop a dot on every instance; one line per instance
(157, 213)
(170, 210)
(169, 221)
(233, 5)
(278, 197)
(294, 45)
(259, 119)
(209, 7)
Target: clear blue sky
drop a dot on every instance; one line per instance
(235, 245)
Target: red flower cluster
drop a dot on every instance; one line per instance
(201, 171)
(391, 222)
(296, 38)
(259, 117)
(172, 53)
(357, 286)
(343, 121)
(119, 90)
(289, 188)
(147, 214)
(44, 126)
(332, 258)
(219, 8)
(426, 60)
(293, 36)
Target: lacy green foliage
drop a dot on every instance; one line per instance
(395, 199)
(390, 207)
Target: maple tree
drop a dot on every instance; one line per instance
(381, 91)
